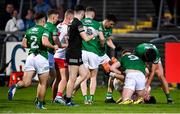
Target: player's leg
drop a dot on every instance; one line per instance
(29, 72)
(92, 64)
(83, 84)
(42, 69)
(25, 82)
(62, 84)
(128, 89)
(73, 72)
(52, 74)
(43, 82)
(109, 97)
(118, 86)
(104, 60)
(140, 87)
(140, 97)
(93, 84)
(160, 73)
(84, 91)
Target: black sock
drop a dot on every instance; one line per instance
(68, 99)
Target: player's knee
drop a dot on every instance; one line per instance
(27, 83)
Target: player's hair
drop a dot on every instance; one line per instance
(69, 12)
(39, 16)
(111, 17)
(52, 11)
(149, 55)
(90, 9)
(79, 8)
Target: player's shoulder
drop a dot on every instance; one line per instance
(96, 22)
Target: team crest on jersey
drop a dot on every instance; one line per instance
(88, 21)
(34, 29)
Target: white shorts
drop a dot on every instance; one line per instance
(51, 60)
(135, 81)
(104, 59)
(90, 59)
(37, 63)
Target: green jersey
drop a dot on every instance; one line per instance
(107, 33)
(34, 40)
(133, 62)
(141, 49)
(53, 32)
(91, 27)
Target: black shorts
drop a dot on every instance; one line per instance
(74, 61)
(74, 57)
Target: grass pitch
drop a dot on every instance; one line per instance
(23, 103)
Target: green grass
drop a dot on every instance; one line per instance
(23, 103)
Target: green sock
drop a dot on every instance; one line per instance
(85, 97)
(108, 95)
(91, 97)
(168, 96)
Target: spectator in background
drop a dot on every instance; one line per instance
(15, 24)
(172, 6)
(72, 3)
(29, 19)
(6, 15)
(59, 5)
(41, 6)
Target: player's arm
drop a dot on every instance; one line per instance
(115, 72)
(24, 43)
(102, 39)
(83, 34)
(151, 75)
(46, 43)
(55, 38)
(114, 67)
(65, 43)
(110, 43)
(86, 37)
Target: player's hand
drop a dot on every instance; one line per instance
(147, 92)
(92, 36)
(55, 47)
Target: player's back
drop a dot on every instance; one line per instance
(34, 40)
(130, 61)
(91, 27)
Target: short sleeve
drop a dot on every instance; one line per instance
(46, 33)
(55, 32)
(80, 27)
